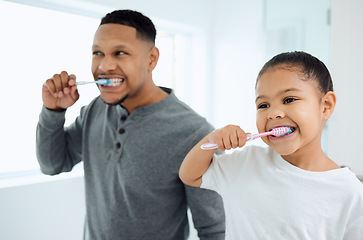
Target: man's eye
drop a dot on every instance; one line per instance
(120, 53)
(289, 100)
(263, 106)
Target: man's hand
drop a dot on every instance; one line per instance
(60, 92)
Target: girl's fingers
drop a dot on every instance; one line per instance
(227, 142)
(241, 137)
(229, 137)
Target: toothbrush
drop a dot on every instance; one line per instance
(101, 81)
(279, 132)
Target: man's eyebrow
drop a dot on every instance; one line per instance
(280, 93)
(114, 47)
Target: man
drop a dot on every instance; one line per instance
(131, 139)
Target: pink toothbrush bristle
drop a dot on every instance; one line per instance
(280, 131)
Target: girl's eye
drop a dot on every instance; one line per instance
(263, 105)
(289, 100)
(96, 53)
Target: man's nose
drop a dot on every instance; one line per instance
(107, 64)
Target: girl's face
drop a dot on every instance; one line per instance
(284, 98)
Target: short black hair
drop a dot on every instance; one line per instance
(311, 67)
(144, 26)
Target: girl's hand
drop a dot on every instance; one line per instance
(197, 161)
(231, 136)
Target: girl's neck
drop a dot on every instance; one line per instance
(311, 160)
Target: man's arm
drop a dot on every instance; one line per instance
(195, 164)
(58, 93)
(207, 211)
(52, 145)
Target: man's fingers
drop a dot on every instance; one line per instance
(74, 93)
(57, 82)
(72, 77)
(64, 77)
(49, 84)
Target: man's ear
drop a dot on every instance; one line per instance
(153, 58)
(329, 101)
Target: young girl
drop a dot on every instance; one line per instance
(289, 189)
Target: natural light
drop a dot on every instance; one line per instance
(45, 42)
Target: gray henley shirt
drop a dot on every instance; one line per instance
(131, 164)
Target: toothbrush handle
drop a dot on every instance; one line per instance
(209, 146)
(82, 83)
(99, 82)
(250, 137)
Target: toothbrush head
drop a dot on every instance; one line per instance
(103, 81)
(281, 131)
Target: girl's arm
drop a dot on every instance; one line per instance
(197, 161)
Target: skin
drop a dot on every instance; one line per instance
(283, 98)
(118, 52)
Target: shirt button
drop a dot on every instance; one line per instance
(123, 117)
(118, 145)
(121, 131)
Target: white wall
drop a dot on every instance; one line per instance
(42, 211)
(345, 127)
(238, 55)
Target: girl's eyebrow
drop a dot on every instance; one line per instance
(280, 93)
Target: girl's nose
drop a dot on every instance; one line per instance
(275, 113)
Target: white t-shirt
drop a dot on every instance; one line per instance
(267, 198)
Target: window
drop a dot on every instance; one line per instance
(38, 42)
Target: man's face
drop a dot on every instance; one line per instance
(120, 55)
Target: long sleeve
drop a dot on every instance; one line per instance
(54, 149)
(131, 164)
(207, 211)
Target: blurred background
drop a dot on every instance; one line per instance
(210, 54)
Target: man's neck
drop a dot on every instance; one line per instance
(154, 95)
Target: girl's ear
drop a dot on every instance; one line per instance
(153, 58)
(329, 102)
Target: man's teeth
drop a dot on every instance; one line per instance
(115, 82)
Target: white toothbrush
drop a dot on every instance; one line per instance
(101, 81)
(278, 132)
